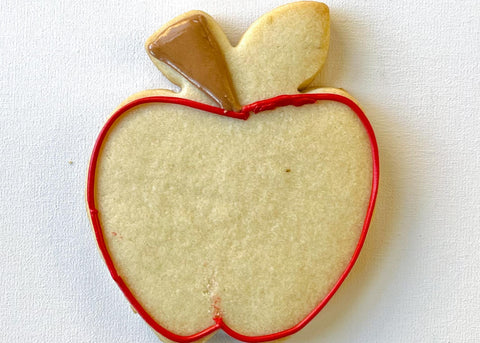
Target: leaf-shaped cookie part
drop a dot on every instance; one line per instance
(281, 52)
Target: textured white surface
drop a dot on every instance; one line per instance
(413, 65)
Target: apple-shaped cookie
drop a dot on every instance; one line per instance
(239, 203)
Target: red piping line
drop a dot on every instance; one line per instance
(268, 104)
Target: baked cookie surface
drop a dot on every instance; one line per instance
(209, 221)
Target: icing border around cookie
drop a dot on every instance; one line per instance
(267, 104)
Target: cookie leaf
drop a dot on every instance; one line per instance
(281, 52)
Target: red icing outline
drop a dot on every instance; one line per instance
(282, 100)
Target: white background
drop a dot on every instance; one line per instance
(414, 65)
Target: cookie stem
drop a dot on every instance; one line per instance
(190, 47)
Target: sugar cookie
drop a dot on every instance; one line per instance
(240, 202)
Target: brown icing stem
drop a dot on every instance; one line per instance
(189, 47)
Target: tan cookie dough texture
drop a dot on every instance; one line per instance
(252, 220)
